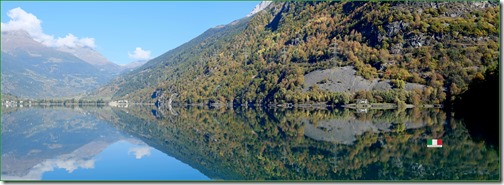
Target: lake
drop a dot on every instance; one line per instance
(201, 144)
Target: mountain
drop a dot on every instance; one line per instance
(94, 58)
(32, 70)
(259, 7)
(437, 48)
(151, 74)
(132, 65)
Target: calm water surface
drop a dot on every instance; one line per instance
(145, 143)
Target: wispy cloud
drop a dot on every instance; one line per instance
(22, 20)
(140, 54)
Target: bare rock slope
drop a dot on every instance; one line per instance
(343, 79)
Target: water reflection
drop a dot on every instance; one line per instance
(247, 144)
(79, 144)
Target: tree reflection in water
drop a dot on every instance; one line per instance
(311, 144)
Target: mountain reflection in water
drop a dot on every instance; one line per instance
(145, 143)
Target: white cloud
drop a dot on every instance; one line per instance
(72, 164)
(69, 41)
(69, 164)
(86, 41)
(140, 151)
(72, 41)
(140, 54)
(22, 20)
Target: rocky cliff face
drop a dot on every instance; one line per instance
(259, 7)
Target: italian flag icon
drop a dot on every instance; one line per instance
(434, 143)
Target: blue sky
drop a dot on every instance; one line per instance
(117, 29)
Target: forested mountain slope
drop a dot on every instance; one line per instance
(266, 57)
(144, 79)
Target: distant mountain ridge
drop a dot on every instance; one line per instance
(96, 59)
(93, 57)
(132, 65)
(33, 70)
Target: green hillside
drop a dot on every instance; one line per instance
(265, 59)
